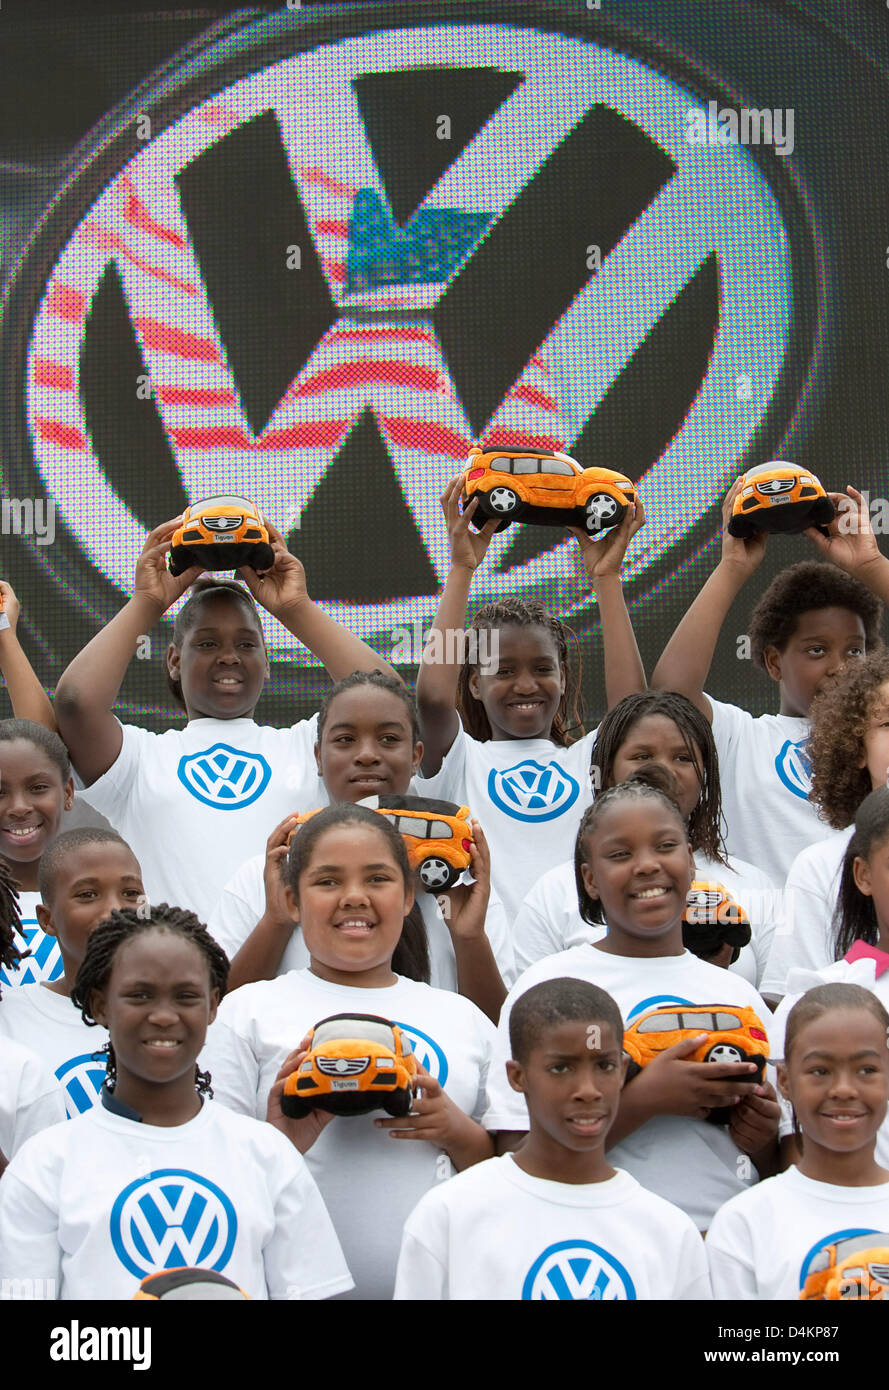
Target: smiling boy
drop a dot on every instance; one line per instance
(554, 1220)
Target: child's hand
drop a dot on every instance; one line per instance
(153, 580)
(11, 606)
(850, 543)
(276, 905)
(434, 1116)
(740, 554)
(754, 1122)
(468, 547)
(301, 1133)
(281, 588)
(465, 906)
(675, 1086)
(606, 557)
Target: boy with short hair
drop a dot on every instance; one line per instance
(554, 1220)
(84, 875)
(811, 619)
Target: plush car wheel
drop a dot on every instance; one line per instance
(724, 1052)
(436, 873)
(599, 512)
(294, 1108)
(399, 1103)
(503, 500)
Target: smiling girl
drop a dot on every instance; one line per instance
(351, 887)
(95, 1205)
(497, 733)
(785, 1238)
(195, 803)
(634, 866)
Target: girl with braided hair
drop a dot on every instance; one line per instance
(157, 1175)
(30, 1098)
(501, 729)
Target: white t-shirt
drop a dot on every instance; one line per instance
(529, 797)
(242, 903)
(804, 940)
(763, 1243)
(369, 1181)
(766, 778)
(30, 1097)
(50, 1025)
(495, 1232)
(692, 1163)
(99, 1203)
(45, 961)
(549, 919)
(194, 803)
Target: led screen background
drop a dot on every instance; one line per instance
(293, 282)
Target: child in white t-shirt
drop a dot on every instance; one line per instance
(158, 1176)
(820, 1230)
(635, 864)
(496, 727)
(555, 1220)
(196, 802)
(84, 876)
(368, 745)
(808, 623)
(351, 885)
(660, 727)
(849, 750)
(36, 787)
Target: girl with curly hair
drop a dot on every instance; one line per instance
(849, 751)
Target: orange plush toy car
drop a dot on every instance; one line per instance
(355, 1063)
(779, 497)
(436, 834)
(855, 1268)
(221, 533)
(712, 919)
(550, 489)
(735, 1034)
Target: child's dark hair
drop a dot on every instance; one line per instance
(411, 956)
(841, 715)
(800, 589)
(855, 917)
(122, 926)
(515, 612)
(380, 681)
(69, 842)
(10, 919)
(14, 730)
(818, 1001)
(705, 821)
(204, 589)
(563, 1000)
(650, 782)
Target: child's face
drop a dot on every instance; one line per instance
(571, 1081)
(656, 739)
(522, 695)
(352, 900)
(637, 861)
(837, 1078)
(222, 665)
(89, 885)
(875, 744)
(157, 1006)
(367, 745)
(32, 799)
(823, 641)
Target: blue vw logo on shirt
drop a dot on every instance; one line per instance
(172, 1218)
(44, 962)
(82, 1078)
(427, 1052)
(532, 791)
(794, 767)
(224, 777)
(577, 1270)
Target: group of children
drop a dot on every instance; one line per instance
(162, 967)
